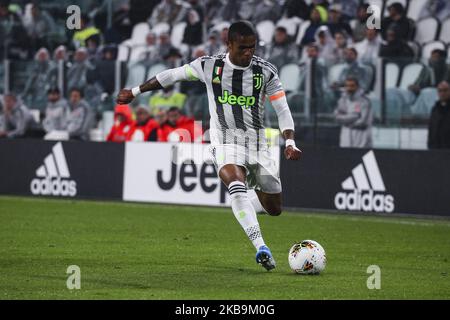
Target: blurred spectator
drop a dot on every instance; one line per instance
(320, 90)
(436, 8)
(79, 120)
(326, 44)
(195, 92)
(422, 94)
(213, 45)
(296, 8)
(212, 10)
(15, 119)
(266, 10)
(165, 99)
(141, 10)
(164, 45)
(56, 111)
(318, 17)
(338, 54)
(397, 20)
(77, 73)
(348, 8)
(169, 11)
(179, 128)
(38, 24)
(396, 49)
(123, 124)
(198, 6)
(14, 40)
(439, 124)
(336, 21)
(60, 54)
(193, 33)
(354, 114)
(359, 30)
(283, 50)
(355, 70)
(173, 58)
(369, 48)
(146, 127)
(87, 31)
(42, 77)
(150, 54)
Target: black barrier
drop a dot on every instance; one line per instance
(61, 169)
(380, 181)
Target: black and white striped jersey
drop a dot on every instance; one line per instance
(236, 97)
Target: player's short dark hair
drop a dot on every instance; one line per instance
(239, 29)
(171, 109)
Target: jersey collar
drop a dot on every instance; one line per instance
(231, 64)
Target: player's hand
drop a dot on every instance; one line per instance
(292, 153)
(125, 96)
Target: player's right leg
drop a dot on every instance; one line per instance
(233, 176)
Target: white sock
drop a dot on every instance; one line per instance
(253, 196)
(245, 213)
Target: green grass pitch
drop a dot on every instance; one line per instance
(142, 251)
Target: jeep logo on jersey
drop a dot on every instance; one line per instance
(53, 176)
(232, 100)
(365, 190)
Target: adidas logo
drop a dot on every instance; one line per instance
(53, 176)
(365, 189)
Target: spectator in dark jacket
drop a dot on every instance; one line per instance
(14, 39)
(336, 22)
(397, 19)
(16, 119)
(396, 49)
(318, 17)
(193, 33)
(439, 125)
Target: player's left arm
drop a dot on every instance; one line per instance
(286, 124)
(278, 99)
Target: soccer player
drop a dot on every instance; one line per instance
(237, 83)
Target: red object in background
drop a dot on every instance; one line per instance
(123, 126)
(148, 131)
(185, 130)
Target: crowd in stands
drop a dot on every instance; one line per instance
(142, 34)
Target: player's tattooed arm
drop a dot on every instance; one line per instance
(125, 96)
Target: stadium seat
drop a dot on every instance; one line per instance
(445, 31)
(291, 25)
(391, 75)
(426, 30)
(410, 73)
(301, 31)
(161, 28)
(176, 37)
(415, 8)
(136, 51)
(290, 77)
(334, 72)
(139, 33)
(123, 53)
(265, 30)
(136, 75)
(429, 47)
(417, 49)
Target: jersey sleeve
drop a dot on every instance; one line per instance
(194, 70)
(273, 86)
